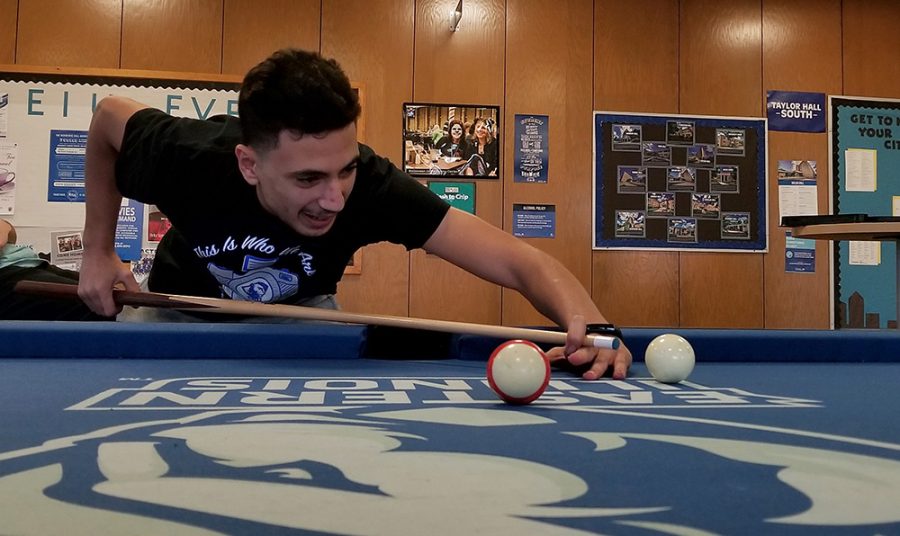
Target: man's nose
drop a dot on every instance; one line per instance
(333, 197)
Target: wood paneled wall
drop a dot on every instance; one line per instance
(636, 288)
(549, 75)
(800, 62)
(561, 58)
(380, 61)
(463, 67)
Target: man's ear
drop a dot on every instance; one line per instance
(247, 159)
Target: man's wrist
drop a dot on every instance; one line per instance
(609, 330)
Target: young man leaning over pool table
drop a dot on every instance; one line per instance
(270, 207)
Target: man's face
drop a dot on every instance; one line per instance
(304, 181)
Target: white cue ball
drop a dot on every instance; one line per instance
(669, 358)
(518, 371)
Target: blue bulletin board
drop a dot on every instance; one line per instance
(867, 131)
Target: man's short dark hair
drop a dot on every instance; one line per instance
(295, 90)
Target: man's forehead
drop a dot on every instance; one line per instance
(332, 143)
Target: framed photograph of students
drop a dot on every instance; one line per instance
(446, 140)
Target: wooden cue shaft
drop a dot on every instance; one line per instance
(225, 306)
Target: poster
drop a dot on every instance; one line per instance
(797, 190)
(460, 195)
(129, 230)
(799, 254)
(532, 142)
(65, 173)
(534, 220)
(796, 111)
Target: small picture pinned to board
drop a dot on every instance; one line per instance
(631, 223)
(706, 205)
(655, 153)
(451, 140)
(660, 204)
(725, 179)
(158, 224)
(632, 180)
(736, 225)
(730, 141)
(681, 179)
(701, 155)
(680, 132)
(67, 243)
(66, 249)
(682, 230)
(626, 138)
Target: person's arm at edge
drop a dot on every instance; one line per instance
(494, 255)
(7, 233)
(101, 267)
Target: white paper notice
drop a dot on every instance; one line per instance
(797, 188)
(861, 169)
(797, 200)
(895, 206)
(865, 253)
(9, 154)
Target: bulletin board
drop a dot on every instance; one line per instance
(679, 182)
(865, 179)
(44, 119)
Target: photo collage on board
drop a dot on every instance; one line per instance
(683, 180)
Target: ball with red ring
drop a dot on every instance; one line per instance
(518, 371)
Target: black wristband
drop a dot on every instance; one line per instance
(609, 330)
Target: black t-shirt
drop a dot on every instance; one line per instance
(224, 244)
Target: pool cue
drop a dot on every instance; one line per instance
(239, 307)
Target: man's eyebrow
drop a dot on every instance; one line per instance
(306, 174)
(353, 163)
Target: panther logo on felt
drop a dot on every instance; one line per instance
(456, 467)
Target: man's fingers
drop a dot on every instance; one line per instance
(598, 368)
(622, 363)
(591, 363)
(555, 354)
(575, 335)
(130, 282)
